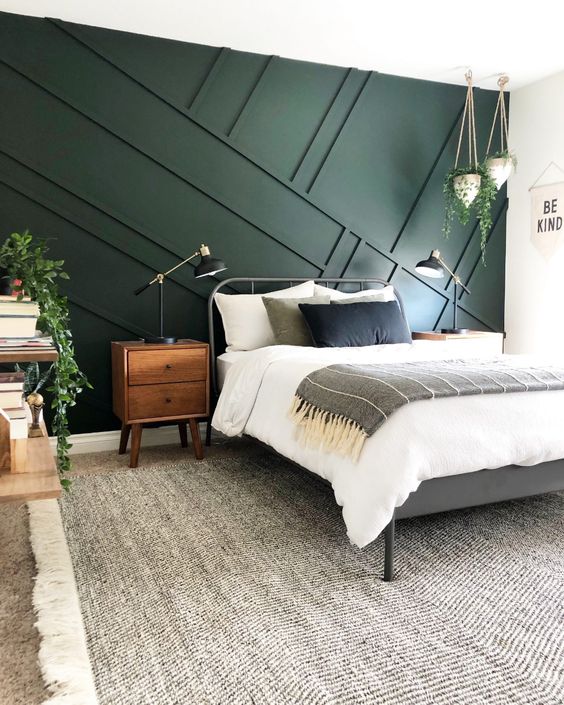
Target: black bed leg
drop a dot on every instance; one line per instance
(208, 432)
(389, 539)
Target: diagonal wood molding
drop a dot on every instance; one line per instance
(201, 187)
(315, 169)
(288, 184)
(316, 138)
(40, 199)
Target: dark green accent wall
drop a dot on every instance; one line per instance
(129, 151)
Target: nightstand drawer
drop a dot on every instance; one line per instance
(160, 400)
(167, 366)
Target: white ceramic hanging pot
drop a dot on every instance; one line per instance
(466, 187)
(500, 169)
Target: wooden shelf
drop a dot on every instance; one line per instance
(437, 335)
(28, 356)
(40, 479)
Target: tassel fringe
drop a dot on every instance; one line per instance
(63, 654)
(322, 429)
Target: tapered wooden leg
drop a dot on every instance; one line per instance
(136, 431)
(196, 440)
(183, 434)
(208, 432)
(125, 429)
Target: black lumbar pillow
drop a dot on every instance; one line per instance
(356, 325)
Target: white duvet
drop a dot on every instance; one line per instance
(422, 440)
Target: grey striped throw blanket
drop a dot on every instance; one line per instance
(339, 406)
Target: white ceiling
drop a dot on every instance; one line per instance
(432, 39)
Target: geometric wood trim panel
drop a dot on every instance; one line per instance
(129, 151)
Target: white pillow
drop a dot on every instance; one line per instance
(245, 320)
(386, 293)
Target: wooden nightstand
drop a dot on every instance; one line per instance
(154, 383)
(475, 343)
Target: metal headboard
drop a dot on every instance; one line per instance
(251, 281)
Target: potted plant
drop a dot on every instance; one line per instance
(466, 184)
(471, 187)
(501, 165)
(34, 381)
(25, 259)
(467, 189)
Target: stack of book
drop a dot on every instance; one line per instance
(18, 318)
(17, 326)
(11, 395)
(15, 418)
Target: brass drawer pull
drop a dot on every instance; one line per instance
(169, 366)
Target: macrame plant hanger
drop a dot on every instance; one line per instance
(467, 186)
(500, 167)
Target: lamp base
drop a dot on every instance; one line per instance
(455, 331)
(160, 340)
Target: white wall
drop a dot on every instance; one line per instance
(534, 298)
(435, 41)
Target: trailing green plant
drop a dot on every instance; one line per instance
(481, 205)
(25, 258)
(34, 379)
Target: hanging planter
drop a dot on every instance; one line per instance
(500, 167)
(469, 188)
(501, 164)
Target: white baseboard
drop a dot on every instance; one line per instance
(109, 440)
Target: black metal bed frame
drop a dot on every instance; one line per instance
(432, 496)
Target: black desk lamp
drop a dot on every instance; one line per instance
(434, 267)
(208, 265)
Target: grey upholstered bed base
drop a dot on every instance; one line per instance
(437, 495)
(471, 489)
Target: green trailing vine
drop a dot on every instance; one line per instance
(25, 258)
(481, 205)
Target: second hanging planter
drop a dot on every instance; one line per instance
(501, 164)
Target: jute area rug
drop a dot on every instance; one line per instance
(232, 581)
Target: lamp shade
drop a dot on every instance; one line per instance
(431, 267)
(208, 265)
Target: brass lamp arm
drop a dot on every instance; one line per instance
(452, 274)
(165, 274)
(160, 277)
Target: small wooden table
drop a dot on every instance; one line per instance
(153, 383)
(477, 342)
(39, 479)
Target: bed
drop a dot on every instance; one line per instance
(457, 454)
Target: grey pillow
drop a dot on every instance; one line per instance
(287, 321)
(358, 300)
